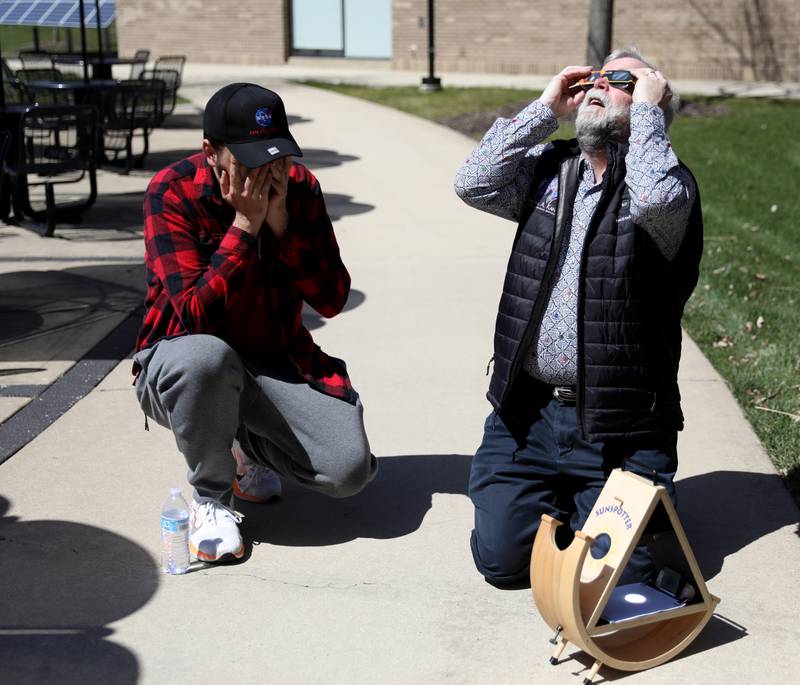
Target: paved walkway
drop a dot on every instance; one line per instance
(377, 588)
(379, 74)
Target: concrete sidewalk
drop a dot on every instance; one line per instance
(379, 587)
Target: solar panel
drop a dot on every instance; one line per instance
(56, 13)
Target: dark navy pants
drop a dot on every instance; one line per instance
(534, 462)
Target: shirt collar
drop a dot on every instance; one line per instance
(586, 172)
(205, 181)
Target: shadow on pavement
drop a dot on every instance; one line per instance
(63, 583)
(294, 119)
(158, 160)
(724, 511)
(318, 158)
(111, 213)
(393, 505)
(113, 217)
(718, 631)
(119, 217)
(313, 158)
(123, 212)
(312, 320)
(45, 314)
(342, 205)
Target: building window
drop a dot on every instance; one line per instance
(342, 28)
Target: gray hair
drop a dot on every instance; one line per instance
(672, 105)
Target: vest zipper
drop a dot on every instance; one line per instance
(609, 187)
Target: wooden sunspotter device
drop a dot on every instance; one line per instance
(629, 627)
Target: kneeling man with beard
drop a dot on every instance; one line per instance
(588, 335)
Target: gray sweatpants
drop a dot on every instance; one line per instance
(201, 389)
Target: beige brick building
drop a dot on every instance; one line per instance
(731, 39)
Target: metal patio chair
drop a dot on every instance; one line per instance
(55, 145)
(15, 91)
(139, 64)
(133, 108)
(8, 72)
(35, 59)
(39, 95)
(171, 79)
(171, 62)
(5, 197)
(70, 67)
(39, 74)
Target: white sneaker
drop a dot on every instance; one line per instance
(214, 531)
(254, 482)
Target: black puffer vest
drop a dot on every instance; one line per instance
(630, 303)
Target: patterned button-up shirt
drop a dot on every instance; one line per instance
(205, 275)
(496, 178)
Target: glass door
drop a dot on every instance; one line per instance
(368, 28)
(317, 27)
(342, 28)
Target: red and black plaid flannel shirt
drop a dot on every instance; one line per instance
(204, 275)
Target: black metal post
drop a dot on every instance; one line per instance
(430, 82)
(83, 45)
(2, 86)
(99, 30)
(601, 25)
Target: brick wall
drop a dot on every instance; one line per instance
(716, 38)
(208, 31)
(687, 38)
(511, 36)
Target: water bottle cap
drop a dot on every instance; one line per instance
(174, 491)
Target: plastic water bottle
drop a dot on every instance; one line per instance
(175, 533)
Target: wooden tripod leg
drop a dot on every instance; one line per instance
(592, 673)
(562, 643)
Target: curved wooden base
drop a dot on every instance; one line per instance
(568, 604)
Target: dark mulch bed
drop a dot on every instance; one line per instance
(702, 108)
(475, 124)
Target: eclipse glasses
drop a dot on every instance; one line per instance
(617, 78)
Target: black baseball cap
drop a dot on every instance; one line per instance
(251, 121)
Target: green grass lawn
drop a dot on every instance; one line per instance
(745, 312)
(448, 102)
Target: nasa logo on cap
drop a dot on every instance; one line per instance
(264, 117)
(251, 121)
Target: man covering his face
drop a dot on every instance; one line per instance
(237, 239)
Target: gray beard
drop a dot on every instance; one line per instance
(595, 133)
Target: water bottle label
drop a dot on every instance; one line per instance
(174, 525)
